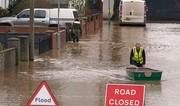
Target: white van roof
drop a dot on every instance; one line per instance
(64, 13)
(134, 0)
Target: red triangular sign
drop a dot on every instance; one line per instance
(43, 96)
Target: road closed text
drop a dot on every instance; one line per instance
(125, 92)
(121, 102)
(124, 102)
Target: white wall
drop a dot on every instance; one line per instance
(105, 8)
(4, 3)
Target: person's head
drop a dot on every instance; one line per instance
(76, 21)
(138, 45)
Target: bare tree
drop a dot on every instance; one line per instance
(80, 5)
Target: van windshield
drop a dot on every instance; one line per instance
(75, 14)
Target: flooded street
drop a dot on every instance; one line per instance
(78, 73)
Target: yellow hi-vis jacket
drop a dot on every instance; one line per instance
(138, 56)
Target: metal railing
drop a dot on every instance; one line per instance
(45, 44)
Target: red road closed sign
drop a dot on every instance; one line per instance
(124, 95)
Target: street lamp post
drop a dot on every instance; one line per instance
(31, 37)
(109, 11)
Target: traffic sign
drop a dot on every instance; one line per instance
(43, 96)
(124, 95)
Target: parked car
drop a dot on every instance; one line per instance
(133, 12)
(42, 17)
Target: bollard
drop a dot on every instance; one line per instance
(24, 48)
(15, 42)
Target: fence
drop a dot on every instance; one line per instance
(45, 44)
(43, 41)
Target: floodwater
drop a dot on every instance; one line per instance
(78, 73)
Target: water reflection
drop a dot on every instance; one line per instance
(78, 73)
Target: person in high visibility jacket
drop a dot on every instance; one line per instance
(137, 56)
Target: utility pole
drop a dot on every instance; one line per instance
(58, 33)
(31, 36)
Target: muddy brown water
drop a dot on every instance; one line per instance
(78, 73)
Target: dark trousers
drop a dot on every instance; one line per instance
(137, 64)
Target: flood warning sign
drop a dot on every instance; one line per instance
(43, 96)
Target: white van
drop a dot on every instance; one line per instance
(66, 15)
(133, 12)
